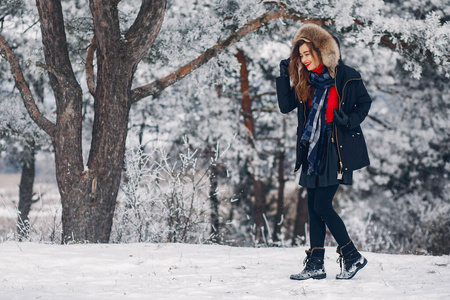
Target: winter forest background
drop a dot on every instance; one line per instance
(209, 158)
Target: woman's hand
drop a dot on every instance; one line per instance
(341, 119)
(284, 67)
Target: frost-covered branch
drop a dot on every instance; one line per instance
(24, 90)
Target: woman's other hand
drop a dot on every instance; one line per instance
(284, 67)
(341, 119)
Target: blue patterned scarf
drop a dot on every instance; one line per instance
(315, 126)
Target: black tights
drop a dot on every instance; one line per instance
(321, 213)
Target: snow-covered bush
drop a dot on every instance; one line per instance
(163, 199)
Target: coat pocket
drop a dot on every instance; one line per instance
(353, 149)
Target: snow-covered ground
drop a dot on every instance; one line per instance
(180, 271)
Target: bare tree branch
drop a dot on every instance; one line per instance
(55, 45)
(276, 139)
(380, 122)
(263, 94)
(385, 40)
(384, 90)
(24, 90)
(51, 70)
(142, 34)
(67, 91)
(90, 78)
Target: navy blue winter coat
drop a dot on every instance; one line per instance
(353, 100)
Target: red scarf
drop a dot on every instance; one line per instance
(333, 98)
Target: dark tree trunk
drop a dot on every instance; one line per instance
(88, 210)
(281, 181)
(68, 95)
(242, 193)
(260, 209)
(302, 216)
(214, 184)
(90, 216)
(213, 180)
(26, 190)
(28, 173)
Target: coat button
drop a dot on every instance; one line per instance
(346, 169)
(343, 103)
(340, 146)
(353, 135)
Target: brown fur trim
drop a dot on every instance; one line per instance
(323, 41)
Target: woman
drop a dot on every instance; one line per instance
(331, 103)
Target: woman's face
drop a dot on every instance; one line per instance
(309, 57)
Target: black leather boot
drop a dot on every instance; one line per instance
(314, 267)
(350, 260)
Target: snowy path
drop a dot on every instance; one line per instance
(179, 271)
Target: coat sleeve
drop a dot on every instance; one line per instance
(362, 106)
(286, 96)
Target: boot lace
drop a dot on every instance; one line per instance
(340, 259)
(308, 256)
(305, 261)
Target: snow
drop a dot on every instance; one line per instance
(183, 271)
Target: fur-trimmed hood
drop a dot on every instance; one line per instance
(323, 41)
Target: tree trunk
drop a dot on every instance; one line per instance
(246, 102)
(241, 192)
(88, 197)
(258, 185)
(26, 189)
(67, 135)
(89, 207)
(302, 217)
(89, 204)
(260, 209)
(281, 181)
(214, 184)
(28, 173)
(213, 180)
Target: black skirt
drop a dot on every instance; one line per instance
(328, 168)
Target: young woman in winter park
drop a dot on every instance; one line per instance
(331, 103)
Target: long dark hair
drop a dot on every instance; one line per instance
(298, 72)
